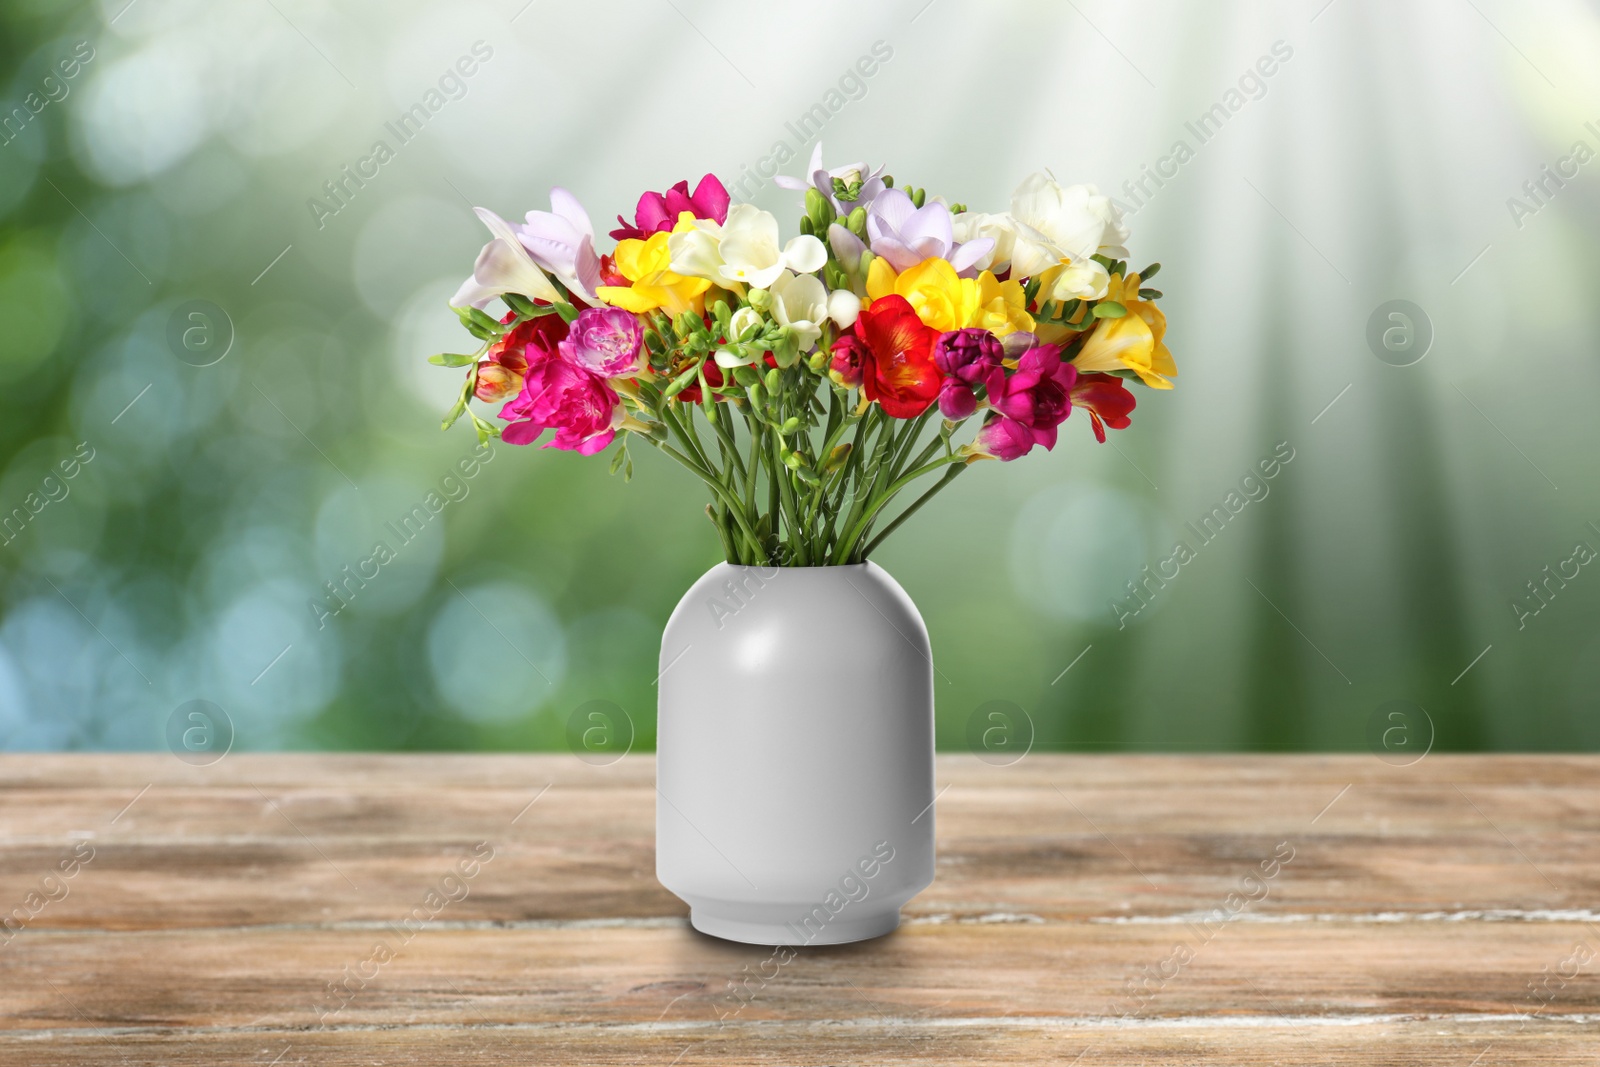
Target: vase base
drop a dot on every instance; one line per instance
(765, 925)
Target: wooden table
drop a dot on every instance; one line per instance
(1090, 910)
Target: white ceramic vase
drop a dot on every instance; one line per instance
(794, 754)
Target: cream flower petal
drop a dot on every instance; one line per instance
(804, 254)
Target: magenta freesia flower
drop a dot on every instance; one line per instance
(557, 395)
(605, 341)
(905, 234)
(967, 358)
(658, 212)
(1033, 401)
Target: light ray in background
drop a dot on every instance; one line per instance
(1417, 538)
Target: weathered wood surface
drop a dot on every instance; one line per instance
(1164, 910)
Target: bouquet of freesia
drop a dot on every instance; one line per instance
(832, 371)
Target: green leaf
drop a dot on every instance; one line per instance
(1150, 294)
(1149, 272)
(454, 414)
(620, 458)
(451, 359)
(1109, 309)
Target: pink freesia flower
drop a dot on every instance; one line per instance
(659, 212)
(905, 234)
(561, 241)
(967, 358)
(1035, 399)
(557, 395)
(604, 341)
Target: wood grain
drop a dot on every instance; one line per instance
(1110, 907)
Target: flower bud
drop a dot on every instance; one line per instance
(857, 223)
(744, 324)
(790, 425)
(774, 378)
(843, 308)
(818, 210)
(496, 382)
(836, 458)
(760, 299)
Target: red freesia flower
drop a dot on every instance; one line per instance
(1106, 399)
(503, 367)
(898, 369)
(610, 275)
(659, 211)
(690, 394)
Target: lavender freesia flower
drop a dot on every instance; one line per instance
(855, 178)
(504, 266)
(905, 234)
(561, 241)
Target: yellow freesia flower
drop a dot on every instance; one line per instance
(647, 264)
(1002, 306)
(1135, 342)
(941, 299)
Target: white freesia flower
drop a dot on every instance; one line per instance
(745, 323)
(976, 225)
(1060, 225)
(844, 307)
(743, 250)
(742, 327)
(800, 302)
(504, 266)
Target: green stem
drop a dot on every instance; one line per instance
(790, 508)
(949, 476)
(715, 485)
(847, 546)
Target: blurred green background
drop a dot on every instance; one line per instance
(1383, 158)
